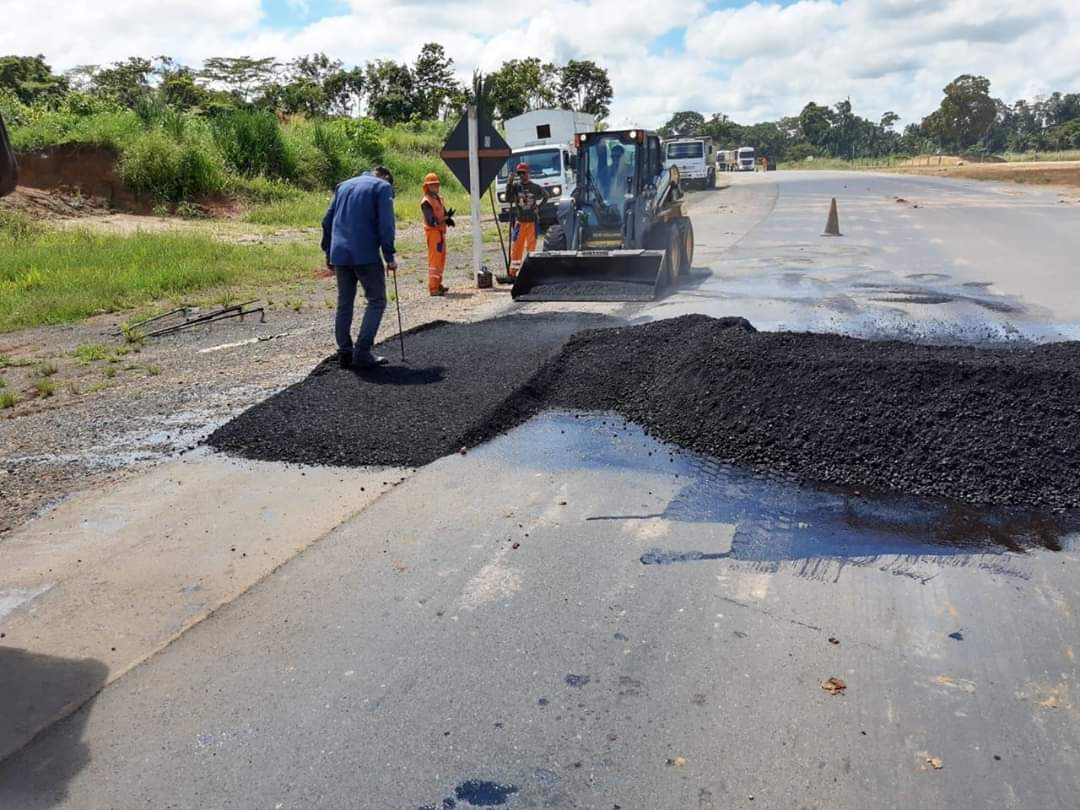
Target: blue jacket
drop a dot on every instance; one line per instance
(359, 222)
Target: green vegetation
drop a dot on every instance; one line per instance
(8, 399)
(92, 352)
(968, 121)
(45, 388)
(44, 370)
(64, 275)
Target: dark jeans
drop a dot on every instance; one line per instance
(372, 278)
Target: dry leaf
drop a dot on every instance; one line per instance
(834, 686)
(935, 763)
(677, 762)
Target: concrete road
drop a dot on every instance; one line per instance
(575, 616)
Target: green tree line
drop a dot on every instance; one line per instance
(314, 85)
(968, 120)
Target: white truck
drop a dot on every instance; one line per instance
(544, 140)
(693, 157)
(745, 162)
(727, 160)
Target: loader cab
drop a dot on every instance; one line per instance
(616, 170)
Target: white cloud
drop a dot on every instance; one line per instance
(759, 61)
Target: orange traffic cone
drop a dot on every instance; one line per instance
(832, 227)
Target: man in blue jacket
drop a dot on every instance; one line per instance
(357, 228)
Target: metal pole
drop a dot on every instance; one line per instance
(502, 245)
(474, 187)
(400, 330)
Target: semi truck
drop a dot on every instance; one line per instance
(745, 160)
(544, 140)
(693, 158)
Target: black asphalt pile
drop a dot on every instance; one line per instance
(589, 290)
(975, 425)
(403, 415)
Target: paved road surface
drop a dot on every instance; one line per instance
(574, 616)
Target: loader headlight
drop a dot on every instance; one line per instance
(502, 196)
(556, 191)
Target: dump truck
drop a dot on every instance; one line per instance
(624, 234)
(693, 156)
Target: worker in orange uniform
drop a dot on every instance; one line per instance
(525, 198)
(437, 218)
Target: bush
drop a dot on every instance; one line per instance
(16, 226)
(252, 144)
(157, 165)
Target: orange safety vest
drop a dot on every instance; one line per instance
(439, 211)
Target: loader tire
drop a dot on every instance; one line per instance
(555, 238)
(685, 229)
(672, 257)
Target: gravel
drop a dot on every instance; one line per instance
(456, 377)
(980, 426)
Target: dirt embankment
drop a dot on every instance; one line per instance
(1041, 173)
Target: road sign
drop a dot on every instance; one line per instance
(492, 151)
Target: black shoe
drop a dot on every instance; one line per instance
(345, 360)
(371, 361)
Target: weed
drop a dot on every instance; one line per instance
(132, 334)
(108, 372)
(161, 210)
(91, 352)
(45, 388)
(153, 371)
(189, 210)
(3, 383)
(8, 400)
(44, 370)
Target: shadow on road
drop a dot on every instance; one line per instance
(36, 691)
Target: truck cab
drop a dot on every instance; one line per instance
(745, 161)
(551, 167)
(693, 158)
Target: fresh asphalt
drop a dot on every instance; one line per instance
(575, 616)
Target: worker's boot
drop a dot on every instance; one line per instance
(370, 361)
(345, 359)
(437, 293)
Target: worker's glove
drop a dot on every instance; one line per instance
(450, 222)
(450, 213)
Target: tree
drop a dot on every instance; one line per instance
(433, 80)
(127, 83)
(584, 86)
(815, 122)
(343, 91)
(888, 120)
(965, 114)
(391, 91)
(725, 133)
(521, 85)
(242, 76)
(684, 123)
(31, 79)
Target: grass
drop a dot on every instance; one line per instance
(1024, 157)
(62, 276)
(43, 370)
(306, 208)
(45, 388)
(8, 400)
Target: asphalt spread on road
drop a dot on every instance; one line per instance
(981, 426)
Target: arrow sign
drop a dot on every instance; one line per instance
(492, 152)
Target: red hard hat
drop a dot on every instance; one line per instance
(522, 167)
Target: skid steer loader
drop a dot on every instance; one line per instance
(624, 234)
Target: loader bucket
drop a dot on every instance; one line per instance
(590, 275)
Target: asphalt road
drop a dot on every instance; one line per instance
(574, 616)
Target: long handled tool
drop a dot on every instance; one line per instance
(400, 330)
(498, 227)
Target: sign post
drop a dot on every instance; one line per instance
(475, 152)
(474, 188)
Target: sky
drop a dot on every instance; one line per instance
(753, 61)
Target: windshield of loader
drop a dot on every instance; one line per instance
(610, 163)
